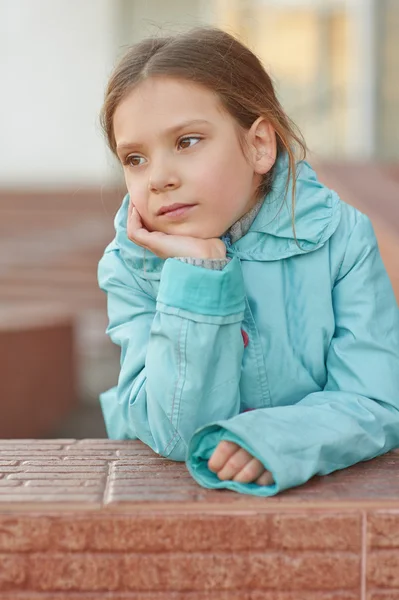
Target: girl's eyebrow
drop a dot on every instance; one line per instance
(168, 131)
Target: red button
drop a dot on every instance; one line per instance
(245, 338)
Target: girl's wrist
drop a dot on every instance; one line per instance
(211, 249)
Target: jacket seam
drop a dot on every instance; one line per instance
(174, 445)
(178, 379)
(227, 382)
(184, 365)
(260, 359)
(345, 252)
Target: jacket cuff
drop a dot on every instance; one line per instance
(201, 447)
(200, 290)
(217, 264)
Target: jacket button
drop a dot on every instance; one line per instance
(245, 338)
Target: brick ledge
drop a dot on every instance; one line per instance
(143, 529)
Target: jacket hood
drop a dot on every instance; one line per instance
(271, 235)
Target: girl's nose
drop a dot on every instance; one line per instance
(162, 182)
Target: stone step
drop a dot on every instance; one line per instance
(111, 519)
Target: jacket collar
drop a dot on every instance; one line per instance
(271, 236)
(317, 214)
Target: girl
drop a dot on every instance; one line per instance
(258, 328)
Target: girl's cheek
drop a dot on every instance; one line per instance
(139, 203)
(208, 183)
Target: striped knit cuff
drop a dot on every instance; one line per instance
(216, 264)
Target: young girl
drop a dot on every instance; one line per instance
(259, 332)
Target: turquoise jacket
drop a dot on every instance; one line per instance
(316, 386)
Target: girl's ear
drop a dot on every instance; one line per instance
(263, 145)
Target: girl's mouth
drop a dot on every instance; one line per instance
(175, 210)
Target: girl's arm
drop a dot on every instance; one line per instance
(179, 353)
(356, 416)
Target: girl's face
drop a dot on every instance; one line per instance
(179, 146)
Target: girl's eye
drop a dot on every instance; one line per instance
(133, 160)
(133, 157)
(183, 141)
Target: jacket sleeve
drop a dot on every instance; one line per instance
(180, 352)
(356, 416)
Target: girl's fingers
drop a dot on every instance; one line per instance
(230, 461)
(135, 230)
(251, 471)
(236, 464)
(265, 479)
(221, 455)
(155, 241)
(134, 220)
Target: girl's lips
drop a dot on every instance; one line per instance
(178, 212)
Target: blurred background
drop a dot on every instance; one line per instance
(335, 65)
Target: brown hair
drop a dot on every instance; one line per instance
(216, 60)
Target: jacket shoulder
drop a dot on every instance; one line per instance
(353, 237)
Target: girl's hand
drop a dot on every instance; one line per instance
(170, 246)
(230, 461)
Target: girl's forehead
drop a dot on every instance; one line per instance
(159, 103)
(170, 90)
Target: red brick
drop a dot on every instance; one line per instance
(113, 498)
(48, 461)
(111, 445)
(183, 533)
(13, 571)
(29, 453)
(55, 475)
(55, 483)
(65, 468)
(317, 531)
(383, 595)
(82, 452)
(150, 460)
(150, 473)
(92, 572)
(9, 483)
(83, 461)
(241, 571)
(383, 529)
(140, 534)
(135, 467)
(65, 493)
(209, 595)
(153, 486)
(383, 568)
(131, 452)
(21, 533)
(17, 469)
(72, 534)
